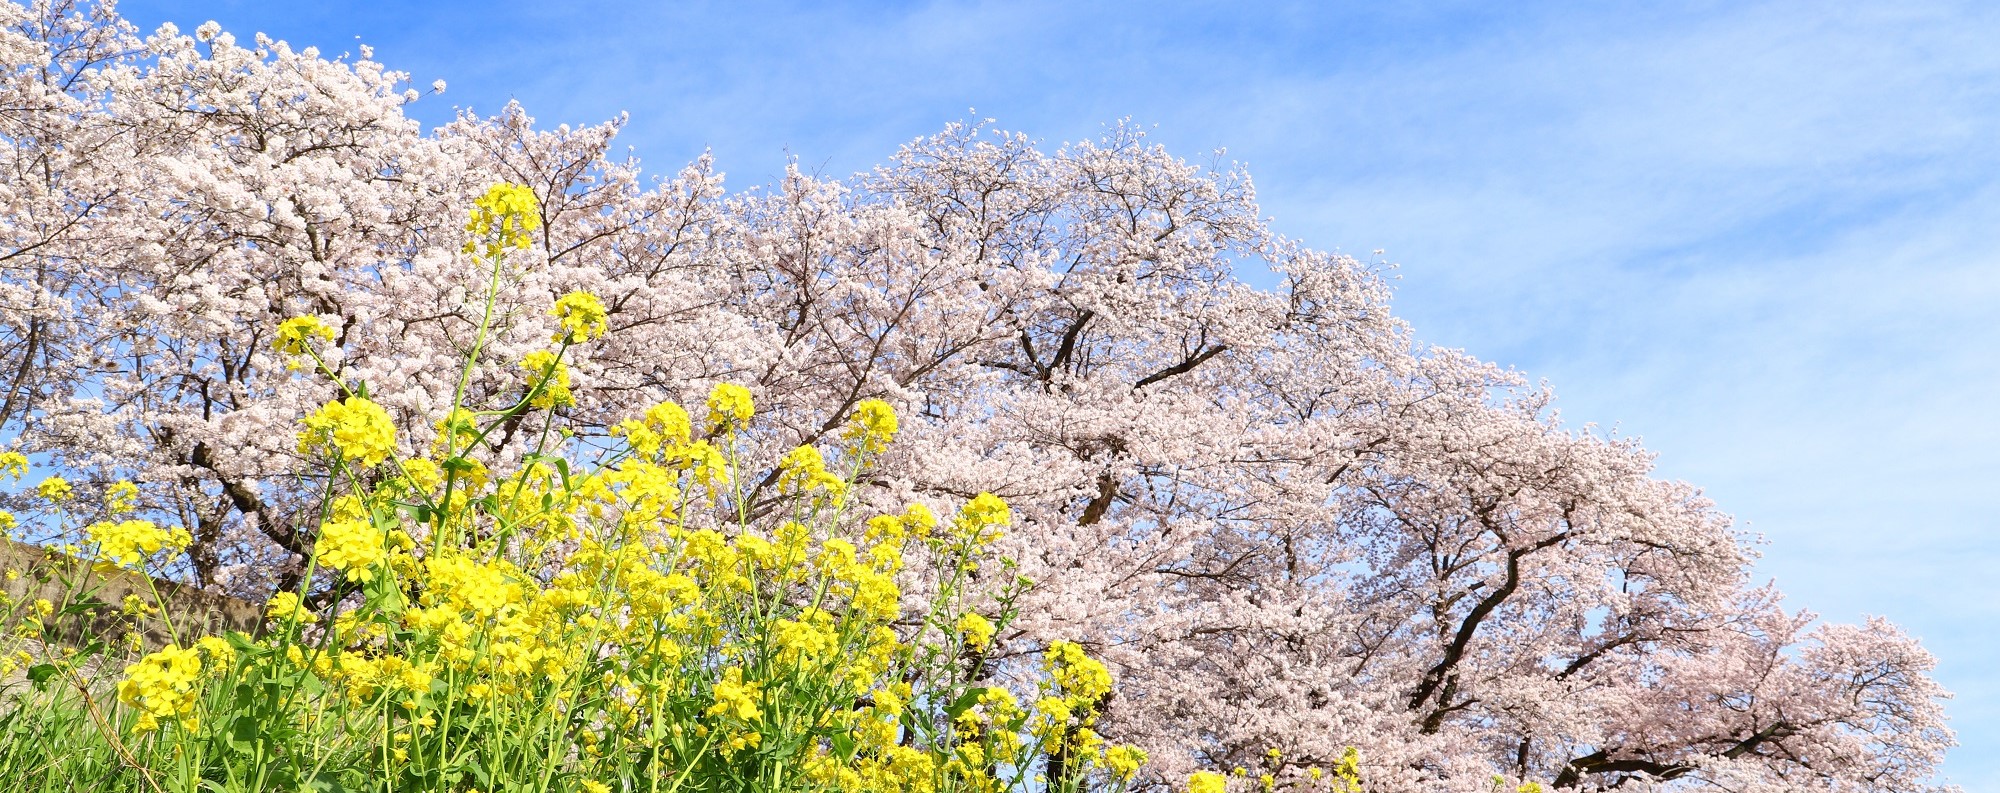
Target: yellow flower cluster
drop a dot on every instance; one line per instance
(1348, 773)
(1124, 761)
(286, 607)
(618, 611)
(468, 588)
(986, 730)
(548, 377)
(364, 677)
(162, 685)
(121, 497)
(666, 425)
(1073, 693)
(1081, 678)
(807, 639)
(54, 489)
(1345, 778)
(872, 426)
(457, 429)
(804, 469)
(132, 542)
(13, 465)
(735, 699)
(135, 606)
(582, 316)
(981, 518)
(976, 631)
(506, 214)
(357, 428)
(353, 547)
(295, 335)
(729, 407)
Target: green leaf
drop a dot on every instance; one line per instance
(325, 782)
(84, 606)
(244, 732)
(843, 745)
(458, 466)
(479, 773)
(40, 673)
(964, 701)
(384, 595)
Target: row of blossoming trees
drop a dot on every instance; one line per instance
(1286, 526)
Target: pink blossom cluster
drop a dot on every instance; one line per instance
(1284, 522)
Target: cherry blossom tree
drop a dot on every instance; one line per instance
(1289, 526)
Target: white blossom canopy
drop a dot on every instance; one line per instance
(1284, 522)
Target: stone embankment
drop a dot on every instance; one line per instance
(41, 573)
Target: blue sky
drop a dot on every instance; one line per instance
(1763, 237)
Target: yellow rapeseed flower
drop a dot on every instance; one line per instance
(358, 428)
(217, 649)
(506, 213)
(131, 542)
(876, 596)
(295, 335)
(480, 589)
(54, 489)
(121, 497)
(986, 509)
(736, 699)
(1078, 675)
(804, 469)
(977, 630)
(872, 426)
(670, 421)
(1348, 771)
(285, 607)
(547, 373)
(1206, 782)
(582, 315)
(811, 638)
(458, 429)
(353, 547)
(162, 685)
(919, 518)
(1124, 761)
(729, 407)
(706, 463)
(981, 518)
(665, 425)
(422, 475)
(14, 465)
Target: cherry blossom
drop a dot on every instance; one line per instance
(1282, 520)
